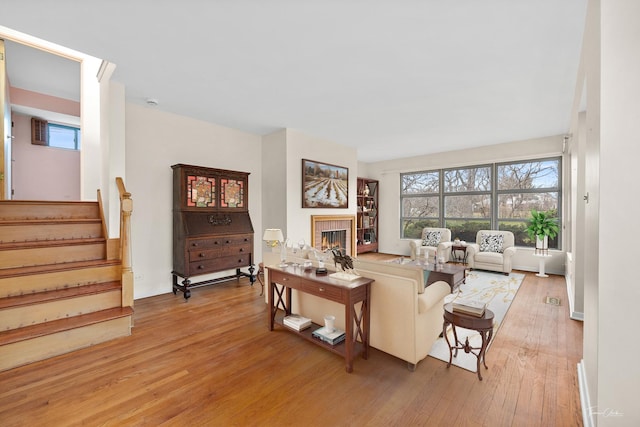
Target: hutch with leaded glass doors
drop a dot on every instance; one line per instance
(212, 230)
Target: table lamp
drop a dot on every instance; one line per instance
(274, 236)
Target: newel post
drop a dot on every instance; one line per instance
(126, 207)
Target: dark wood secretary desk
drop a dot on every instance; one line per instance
(212, 230)
(347, 293)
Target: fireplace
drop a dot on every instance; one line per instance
(333, 231)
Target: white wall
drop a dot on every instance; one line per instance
(301, 146)
(388, 173)
(156, 140)
(40, 172)
(114, 152)
(274, 181)
(618, 290)
(94, 117)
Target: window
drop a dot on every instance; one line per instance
(525, 186)
(465, 200)
(420, 202)
(54, 134)
(62, 136)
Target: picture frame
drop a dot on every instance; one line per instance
(324, 185)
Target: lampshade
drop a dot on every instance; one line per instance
(273, 234)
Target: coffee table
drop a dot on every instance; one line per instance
(453, 274)
(484, 326)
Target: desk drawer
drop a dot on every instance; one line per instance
(284, 279)
(219, 264)
(218, 242)
(227, 250)
(333, 293)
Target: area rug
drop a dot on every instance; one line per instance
(498, 291)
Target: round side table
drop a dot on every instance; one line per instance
(484, 326)
(462, 248)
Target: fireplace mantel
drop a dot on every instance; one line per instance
(320, 223)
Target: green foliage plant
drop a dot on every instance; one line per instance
(542, 224)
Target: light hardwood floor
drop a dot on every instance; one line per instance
(212, 361)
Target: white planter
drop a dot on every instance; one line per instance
(542, 245)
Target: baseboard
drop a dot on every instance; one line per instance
(575, 315)
(587, 416)
(531, 269)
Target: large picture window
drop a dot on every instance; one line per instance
(467, 200)
(420, 202)
(525, 186)
(499, 196)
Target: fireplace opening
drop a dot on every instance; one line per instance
(334, 231)
(334, 239)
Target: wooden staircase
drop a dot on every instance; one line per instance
(63, 283)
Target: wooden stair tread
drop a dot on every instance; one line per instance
(61, 325)
(51, 268)
(50, 243)
(34, 209)
(45, 221)
(57, 294)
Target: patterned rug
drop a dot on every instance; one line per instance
(498, 291)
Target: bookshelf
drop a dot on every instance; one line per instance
(367, 221)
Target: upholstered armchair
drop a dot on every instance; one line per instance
(493, 251)
(434, 241)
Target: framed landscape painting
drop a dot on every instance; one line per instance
(324, 185)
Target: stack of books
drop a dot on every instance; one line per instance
(333, 338)
(297, 322)
(470, 307)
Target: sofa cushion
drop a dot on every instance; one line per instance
(431, 238)
(489, 258)
(491, 243)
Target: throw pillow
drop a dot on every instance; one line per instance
(431, 238)
(491, 243)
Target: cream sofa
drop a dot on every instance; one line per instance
(406, 318)
(442, 249)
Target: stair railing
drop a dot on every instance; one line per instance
(126, 207)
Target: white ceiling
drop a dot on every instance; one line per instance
(394, 78)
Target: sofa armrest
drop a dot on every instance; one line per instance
(444, 250)
(509, 252)
(445, 245)
(472, 249)
(414, 245)
(433, 294)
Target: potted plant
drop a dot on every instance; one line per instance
(542, 226)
